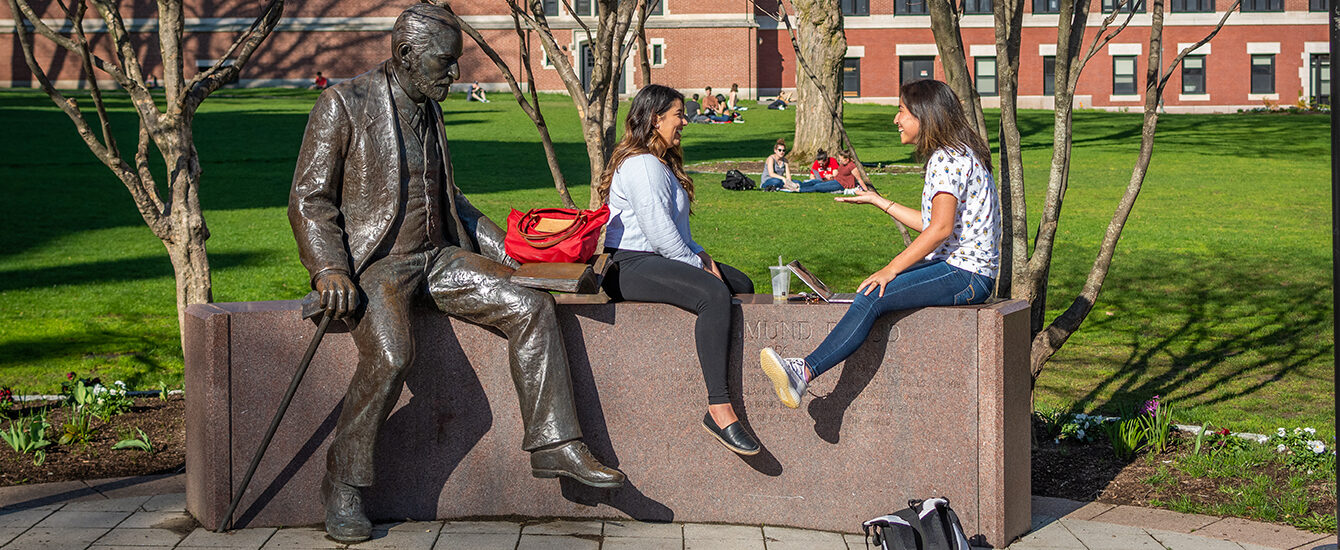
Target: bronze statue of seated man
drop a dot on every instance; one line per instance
(381, 227)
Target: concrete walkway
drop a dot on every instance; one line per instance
(149, 513)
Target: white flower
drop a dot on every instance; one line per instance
(1297, 431)
(120, 383)
(1310, 431)
(1316, 446)
(1281, 448)
(1081, 433)
(1281, 432)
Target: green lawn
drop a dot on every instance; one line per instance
(1219, 297)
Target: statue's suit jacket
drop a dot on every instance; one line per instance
(346, 188)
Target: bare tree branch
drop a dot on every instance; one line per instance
(230, 65)
(76, 15)
(1099, 40)
(1186, 51)
(1050, 340)
(143, 196)
(578, 17)
(557, 57)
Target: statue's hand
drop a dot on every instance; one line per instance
(339, 294)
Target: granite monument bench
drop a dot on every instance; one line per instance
(935, 403)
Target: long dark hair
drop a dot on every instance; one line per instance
(943, 122)
(640, 137)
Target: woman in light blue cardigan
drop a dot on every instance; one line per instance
(655, 256)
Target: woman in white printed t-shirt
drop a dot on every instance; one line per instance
(955, 259)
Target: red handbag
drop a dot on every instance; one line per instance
(563, 235)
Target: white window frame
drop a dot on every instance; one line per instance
(651, 45)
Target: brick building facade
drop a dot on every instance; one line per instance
(1273, 51)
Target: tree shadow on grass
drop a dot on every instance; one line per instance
(1229, 328)
(111, 271)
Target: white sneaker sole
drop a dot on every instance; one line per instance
(772, 366)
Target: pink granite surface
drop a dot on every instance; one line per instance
(929, 406)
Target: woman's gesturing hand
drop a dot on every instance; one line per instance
(880, 279)
(861, 197)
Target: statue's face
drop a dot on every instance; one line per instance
(432, 66)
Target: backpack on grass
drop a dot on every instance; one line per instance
(925, 525)
(737, 181)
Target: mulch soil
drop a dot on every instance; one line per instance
(1085, 472)
(756, 167)
(163, 421)
(1092, 472)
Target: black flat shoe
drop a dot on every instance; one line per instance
(734, 437)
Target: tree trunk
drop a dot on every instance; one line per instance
(949, 42)
(1014, 210)
(644, 60)
(823, 44)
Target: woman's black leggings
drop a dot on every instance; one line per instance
(648, 277)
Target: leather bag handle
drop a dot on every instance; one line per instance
(543, 240)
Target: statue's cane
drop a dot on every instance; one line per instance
(310, 309)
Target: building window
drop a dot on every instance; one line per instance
(1263, 74)
(851, 77)
(1049, 75)
(1046, 6)
(1128, 6)
(977, 6)
(1193, 74)
(911, 7)
(657, 53)
(1262, 5)
(657, 7)
(550, 8)
(855, 7)
(915, 68)
(984, 71)
(1192, 6)
(1123, 75)
(1318, 5)
(584, 7)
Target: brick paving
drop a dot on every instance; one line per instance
(149, 513)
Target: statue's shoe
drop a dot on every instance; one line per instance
(572, 459)
(345, 519)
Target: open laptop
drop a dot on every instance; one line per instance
(819, 287)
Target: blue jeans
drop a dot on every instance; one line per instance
(922, 285)
(819, 186)
(810, 186)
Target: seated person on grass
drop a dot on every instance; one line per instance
(849, 176)
(777, 175)
(715, 111)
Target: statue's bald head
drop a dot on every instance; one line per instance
(426, 43)
(419, 22)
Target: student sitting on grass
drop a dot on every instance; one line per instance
(777, 175)
(955, 259)
(849, 175)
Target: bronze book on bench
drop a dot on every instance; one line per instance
(564, 277)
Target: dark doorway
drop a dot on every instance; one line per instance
(915, 68)
(851, 77)
(1320, 66)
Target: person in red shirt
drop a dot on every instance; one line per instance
(849, 176)
(321, 82)
(824, 167)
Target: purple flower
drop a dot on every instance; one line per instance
(69, 376)
(1151, 407)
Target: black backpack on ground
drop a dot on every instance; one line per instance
(924, 525)
(737, 181)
